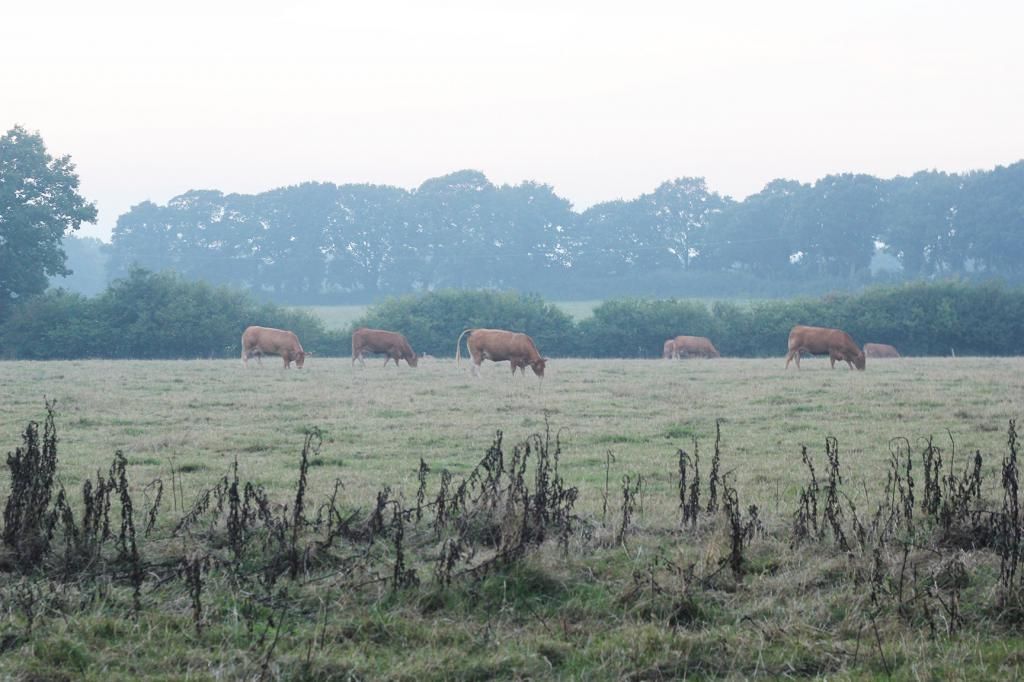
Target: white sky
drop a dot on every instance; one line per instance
(601, 100)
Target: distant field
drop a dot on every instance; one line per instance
(606, 610)
(336, 316)
(341, 316)
(578, 310)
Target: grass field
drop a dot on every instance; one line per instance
(653, 603)
(379, 422)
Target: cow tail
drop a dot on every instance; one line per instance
(458, 348)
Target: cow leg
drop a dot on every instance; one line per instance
(386, 358)
(476, 369)
(789, 358)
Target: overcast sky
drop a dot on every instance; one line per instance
(600, 100)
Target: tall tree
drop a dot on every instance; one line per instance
(678, 214)
(991, 220)
(456, 214)
(919, 219)
(367, 234)
(531, 239)
(663, 230)
(839, 222)
(292, 255)
(142, 238)
(757, 234)
(39, 204)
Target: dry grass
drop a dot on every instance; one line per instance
(197, 416)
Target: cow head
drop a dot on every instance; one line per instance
(538, 366)
(859, 360)
(412, 359)
(300, 358)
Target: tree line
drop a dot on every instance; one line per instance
(320, 242)
(163, 316)
(326, 243)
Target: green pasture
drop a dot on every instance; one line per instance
(605, 610)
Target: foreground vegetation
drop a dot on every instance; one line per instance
(569, 546)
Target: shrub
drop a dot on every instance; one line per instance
(148, 315)
(151, 316)
(919, 319)
(432, 322)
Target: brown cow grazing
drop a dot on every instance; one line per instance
(821, 340)
(260, 341)
(499, 345)
(669, 350)
(694, 346)
(880, 350)
(392, 344)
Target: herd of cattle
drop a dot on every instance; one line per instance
(519, 349)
